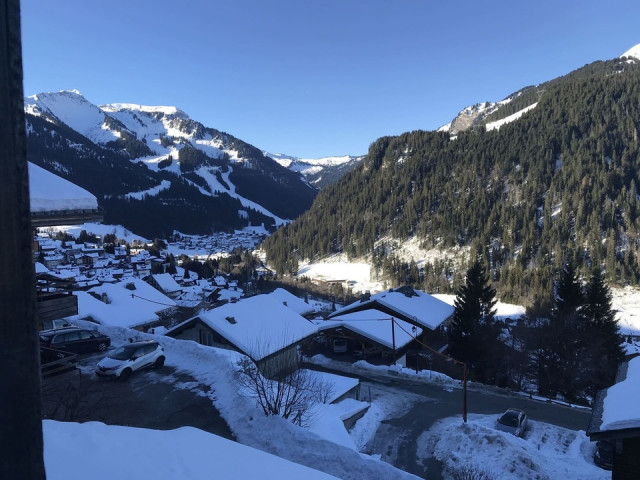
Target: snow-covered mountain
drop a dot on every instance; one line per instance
(492, 115)
(632, 52)
(318, 171)
(128, 153)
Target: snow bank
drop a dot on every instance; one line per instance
(106, 452)
(546, 452)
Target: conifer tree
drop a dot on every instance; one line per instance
(603, 340)
(473, 333)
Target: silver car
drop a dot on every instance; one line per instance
(513, 421)
(123, 361)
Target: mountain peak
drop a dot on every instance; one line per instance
(633, 52)
(167, 110)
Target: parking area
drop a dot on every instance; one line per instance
(159, 399)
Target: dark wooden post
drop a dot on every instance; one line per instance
(20, 403)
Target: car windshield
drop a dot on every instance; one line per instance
(123, 353)
(510, 419)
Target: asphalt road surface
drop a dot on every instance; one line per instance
(396, 438)
(149, 399)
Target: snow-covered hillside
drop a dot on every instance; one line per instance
(169, 144)
(71, 108)
(632, 52)
(318, 171)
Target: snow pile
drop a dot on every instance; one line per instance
(72, 450)
(547, 452)
(621, 407)
(48, 192)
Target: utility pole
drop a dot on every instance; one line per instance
(21, 443)
(393, 339)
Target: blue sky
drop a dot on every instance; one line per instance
(315, 78)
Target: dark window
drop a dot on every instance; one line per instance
(72, 336)
(84, 335)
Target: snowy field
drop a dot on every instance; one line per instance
(99, 229)
(337, 268)
(546, 452)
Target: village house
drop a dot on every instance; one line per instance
(385, 324)
(261, 327)
(615, 422)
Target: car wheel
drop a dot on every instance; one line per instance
(102, 347)
(159, 363)
(125, 374)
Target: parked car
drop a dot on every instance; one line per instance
(603, 456)
(513, 421)
(75, 340)
(125, 360)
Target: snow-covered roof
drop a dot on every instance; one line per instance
(83, 450)
(49, 193)
(126, 308)
(166, 282)
(296, 304)
(259, 326)
(621, 406)
(407, 303)
(375, 325)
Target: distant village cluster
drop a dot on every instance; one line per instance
(217, 243)
(70, 274)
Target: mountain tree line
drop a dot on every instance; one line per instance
(559, 183)
(567, 343)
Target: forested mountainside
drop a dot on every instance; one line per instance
(155, 170)
(559, 183)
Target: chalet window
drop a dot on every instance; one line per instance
(206, 338)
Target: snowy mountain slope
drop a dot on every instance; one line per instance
(71, 136)
(319, 171)
(71, 108)
(632, 52)
(494, 114)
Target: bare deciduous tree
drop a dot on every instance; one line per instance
(290, 395)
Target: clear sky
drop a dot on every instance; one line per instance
(315, 78)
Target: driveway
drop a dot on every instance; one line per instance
(160, 399)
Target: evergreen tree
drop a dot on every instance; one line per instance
(473, 333)
(603, 341)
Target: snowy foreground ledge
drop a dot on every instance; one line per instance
(106, 452)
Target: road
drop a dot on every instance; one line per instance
(419, 405)
(160, 399)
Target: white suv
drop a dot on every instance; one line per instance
(125, 360)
